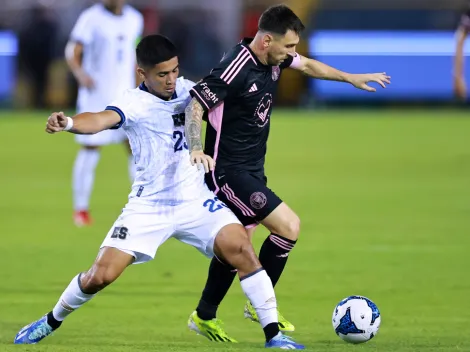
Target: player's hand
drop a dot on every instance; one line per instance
(360, 80)
(84, 80)
(460, 88)
(56, 122)
(199, 158)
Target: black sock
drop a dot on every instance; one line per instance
(219, 280)
(270, 331)
(53, 322)
(273, 255)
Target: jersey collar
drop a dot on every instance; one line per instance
(246, 43)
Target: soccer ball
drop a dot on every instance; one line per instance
(356, 319)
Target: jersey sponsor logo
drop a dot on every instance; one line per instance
(258, 200)
(276, 72)
(264, 109)
(208, 94)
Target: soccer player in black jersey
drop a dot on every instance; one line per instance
(460, 88)
(238, 96)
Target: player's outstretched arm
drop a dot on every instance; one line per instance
(192, 125)
(317, 69)
(460, 88)
(73, 56)
(85, 123)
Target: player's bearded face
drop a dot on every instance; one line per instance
(281, 47)
(161, 79)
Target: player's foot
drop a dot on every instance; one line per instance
(284, 324)
(34, 332)
(212, 329)
(283, 342)
(82, 218)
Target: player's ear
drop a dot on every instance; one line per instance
(141, 73)
(267, 40)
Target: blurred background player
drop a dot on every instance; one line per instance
(100, 54)
(239, 96)
(460, 87)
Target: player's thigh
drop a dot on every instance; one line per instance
(247, 196)
(140, 230)
(283, 221)
(100, 139)
(200, 221)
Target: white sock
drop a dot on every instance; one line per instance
(132, 168)
(259, 290)
(84, 177)
(72, 299)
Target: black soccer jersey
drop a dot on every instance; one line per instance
(238, 95)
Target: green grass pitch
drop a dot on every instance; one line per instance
(384, 199)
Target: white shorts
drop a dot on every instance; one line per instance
(143, 227)
(102, 138)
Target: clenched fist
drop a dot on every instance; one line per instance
(56, 122)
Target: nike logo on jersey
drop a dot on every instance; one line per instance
(285, 255)
(253, 88)
(220, 177)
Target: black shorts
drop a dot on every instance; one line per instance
(245, 193)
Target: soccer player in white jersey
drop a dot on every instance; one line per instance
(168, 199)
(100, 54)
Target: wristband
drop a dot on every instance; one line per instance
(69, 124)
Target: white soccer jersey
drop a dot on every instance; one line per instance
(155, 131)
(109, 42)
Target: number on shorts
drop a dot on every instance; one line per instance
(214, 204)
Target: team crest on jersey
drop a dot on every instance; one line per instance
(276, 73)
(258, 200)
(263, 109)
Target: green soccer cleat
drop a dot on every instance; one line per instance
(284, 324)
(212, 329)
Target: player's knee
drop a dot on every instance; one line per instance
(246, 249)
(248, 260)
(235, 246)
(97, 278)
(291, 228)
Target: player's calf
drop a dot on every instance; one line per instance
(234, 246)
(107, 267)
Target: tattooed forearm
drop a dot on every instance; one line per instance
(193, 123)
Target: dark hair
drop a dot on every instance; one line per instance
(154, 49)
(279, 19)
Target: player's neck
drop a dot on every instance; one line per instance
(115, 10)
(256, 47)
(151, 91)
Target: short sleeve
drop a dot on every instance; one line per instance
(211, 90)
(124, 107)
(225, 79)
(82, 32)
